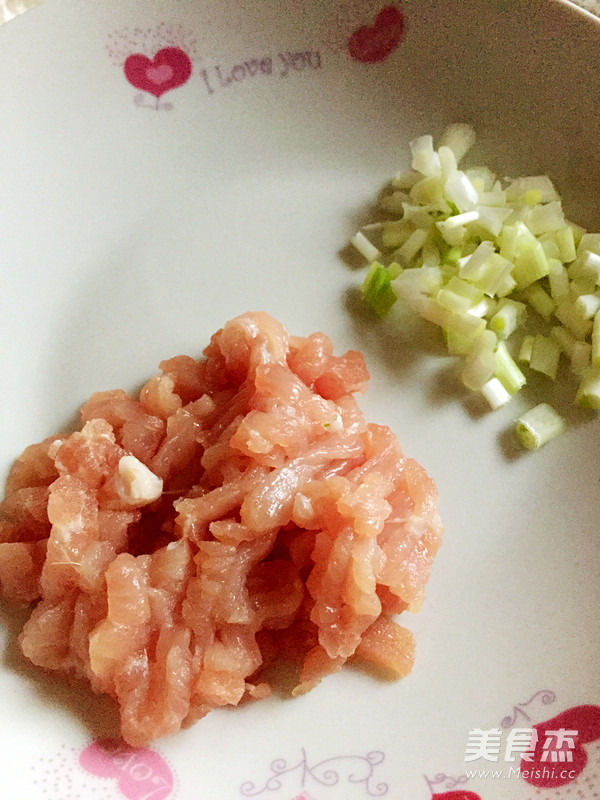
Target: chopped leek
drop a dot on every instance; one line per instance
(495, 393)
(471, 253)
(377, 289)
(545, 356)
(538, 426)
(365, 247)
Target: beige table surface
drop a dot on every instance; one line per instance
(9, 9)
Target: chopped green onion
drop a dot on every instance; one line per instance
(365, 247)
(586, 305)
(412, 245)
(541, 183)
(565, 313)
(453, 301)
(526, 349)
(589, 242)
(459, 138)
(481, 360)
(448, 160)
(558, 278)
(539, 299)
(405, 180)
(452, 255)
(495, 393)
(566, 244)
(394, 269)
(395, 233)
(564, 339)
(394, 203)
(545, 356)
(530, 264)
(588, 394)
(424, 158)
(545, 218)
(460, 191)
(581, 357)
(377, 289)
(507, 372)
(472, 253)
(596, 341)
(538, 426)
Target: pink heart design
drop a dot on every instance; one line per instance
(140, 772)
(160, 74)
(171, 67)
(374, 43)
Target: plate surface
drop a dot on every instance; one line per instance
(142, 207)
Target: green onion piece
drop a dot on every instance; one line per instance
(486, 307)
(394, 269)
(530, 264)
(578, 232)
(448, 161)
(550, 246)
(428, 190)
(452, 255)
(589, 242)
(539, 299)
(365, 247)
(507, 319)
(565, 313)
(459, 137)
(566, 244)
(532, 197)
(508, 242)
(405, 180)
(377, 290)
(546, 218)
(581, 357)
(481, 361)
(558, 278)
(457, 345)
(412, 245)
(591, 263)
(395, 233)
(539, 183)
(564, 339)
(452, 300)
(506, 286)
(430, 254)
(452, 234)
(466, 289)
(538, 426)
(586, 305)
(526, 349)
(596, 341)
(465, 324)
(507, 372)
(588, 394)
(394, 203)
(495, 393)
(545, 356)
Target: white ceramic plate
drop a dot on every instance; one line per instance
(136, 221)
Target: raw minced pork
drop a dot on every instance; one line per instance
(241, 511)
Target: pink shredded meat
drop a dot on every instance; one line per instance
(264, 519)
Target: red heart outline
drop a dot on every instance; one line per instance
(171, 67)
(374, 43)
(456, 795)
